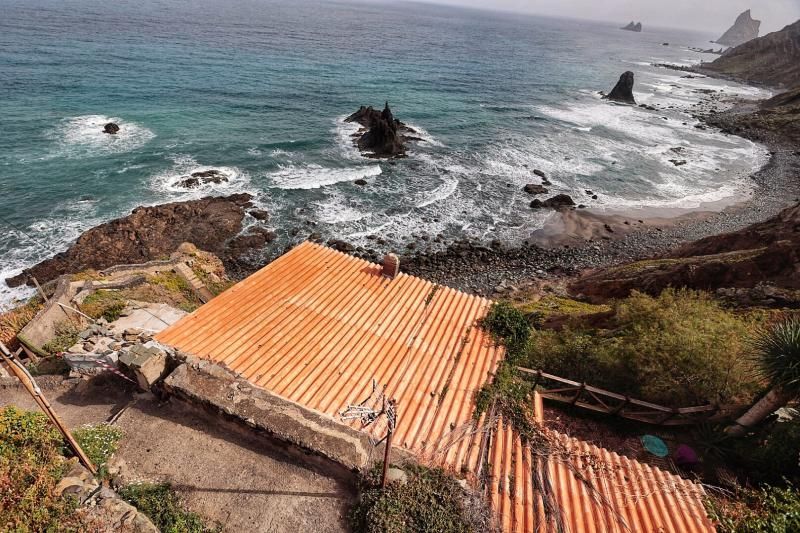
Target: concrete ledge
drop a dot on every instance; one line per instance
(319, 439)
(42, 327)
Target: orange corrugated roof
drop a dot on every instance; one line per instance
(593, 490)
(316, 326)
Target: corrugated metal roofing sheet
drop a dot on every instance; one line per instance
(595, 490)
(316, 326)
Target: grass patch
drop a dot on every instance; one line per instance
(552, 305)
(430, 501)
(87, 275)
(31, 464)
(179, 288)
(161, 504)
(66, 334)
(105, 304)
(99, 442)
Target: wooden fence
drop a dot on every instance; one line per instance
(602, 401)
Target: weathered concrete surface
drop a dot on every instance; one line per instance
(340, 448)
(226, 474)
(42, 327)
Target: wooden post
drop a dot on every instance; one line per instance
(39, 289)
(33, 389)
(392, 419)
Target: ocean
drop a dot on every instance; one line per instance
(258, 89)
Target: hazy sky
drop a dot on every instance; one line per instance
(712, 15)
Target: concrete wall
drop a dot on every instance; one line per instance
(315, 438)
(43, 326)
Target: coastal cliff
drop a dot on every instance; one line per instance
(773, 59)
(744, 29)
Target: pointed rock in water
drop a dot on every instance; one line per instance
(111, 128)
(385, 136)
(743, 30)
(637, 27)
(623, 90)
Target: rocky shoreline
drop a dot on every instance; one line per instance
(493, 269)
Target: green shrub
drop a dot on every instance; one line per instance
(509, 326)
(766, 510)
(106, 304)
(31, 464)
(161, 505)
(679, 349)
(772, 454)
(66, 334)
(99, 442)
(429, 501)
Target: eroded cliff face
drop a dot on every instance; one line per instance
(744, 29)
(773, 59)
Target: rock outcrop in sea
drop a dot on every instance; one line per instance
(204, 177)
(633, 26)
(148, 233)
(623, 90)
(381, 135)
(744, 29)
(111, 128)
(773, 59)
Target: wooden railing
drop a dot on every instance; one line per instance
(602, 401)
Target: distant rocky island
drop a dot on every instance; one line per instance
(633, 26)
(744, 29)
(381, 135)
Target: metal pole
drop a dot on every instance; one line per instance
(392, 419)
(33, 389)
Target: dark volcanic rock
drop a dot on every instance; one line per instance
(559, 201)
(743, 30)
(532, 188)
(539, 173)
(384, 135)
(637, 27)
(150, 233)
(111, 128)
(623, 90)
(259, 214)
(764, 253)
(196, 179)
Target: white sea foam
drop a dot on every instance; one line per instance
(167, 182)
(344, 132)
(314, 176)
(83, 137)
(445, 190)
(337, 209)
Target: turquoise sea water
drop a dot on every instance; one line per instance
(258, 88)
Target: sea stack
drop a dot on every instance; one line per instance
(743, 30)
(633, 26)
(623, 90)
(381, 135)
(111, 128)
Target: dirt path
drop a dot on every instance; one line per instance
(226, 475)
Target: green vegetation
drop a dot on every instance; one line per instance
(552, 305)
(31, 464)
(106, 304)
(429, 501)
(678, 349)
(509, 326)
(161, 504)
(66, 334)
(12, 321)
(99, 442)
(765, 510)
(179, 288)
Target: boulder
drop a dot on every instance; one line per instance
(533, 188)
(559, 201)
(623, 90)
(111, 128)
(196, 179)
(259, 214)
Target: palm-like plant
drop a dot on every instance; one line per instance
(777, 352)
